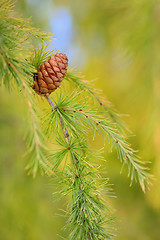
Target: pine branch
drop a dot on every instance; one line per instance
(87, 218)
(17, 45)
(96, 95)
(80, 118)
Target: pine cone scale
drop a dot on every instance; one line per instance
(53, 67)
(49, 80)
(50, 74)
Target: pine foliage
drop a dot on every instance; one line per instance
(75, 117)
(17, 40)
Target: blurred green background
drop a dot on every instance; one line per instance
(117, 44)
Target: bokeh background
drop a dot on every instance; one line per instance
(117, 43)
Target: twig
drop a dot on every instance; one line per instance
(53, 106)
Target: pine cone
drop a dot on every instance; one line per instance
(50, 74)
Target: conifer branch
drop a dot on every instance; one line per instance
(96, 94)
(16, 46)
(80, 119)
(87, 218)
(116, 133)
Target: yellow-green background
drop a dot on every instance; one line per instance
(117, 43)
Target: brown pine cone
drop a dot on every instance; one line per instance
(50, 74)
